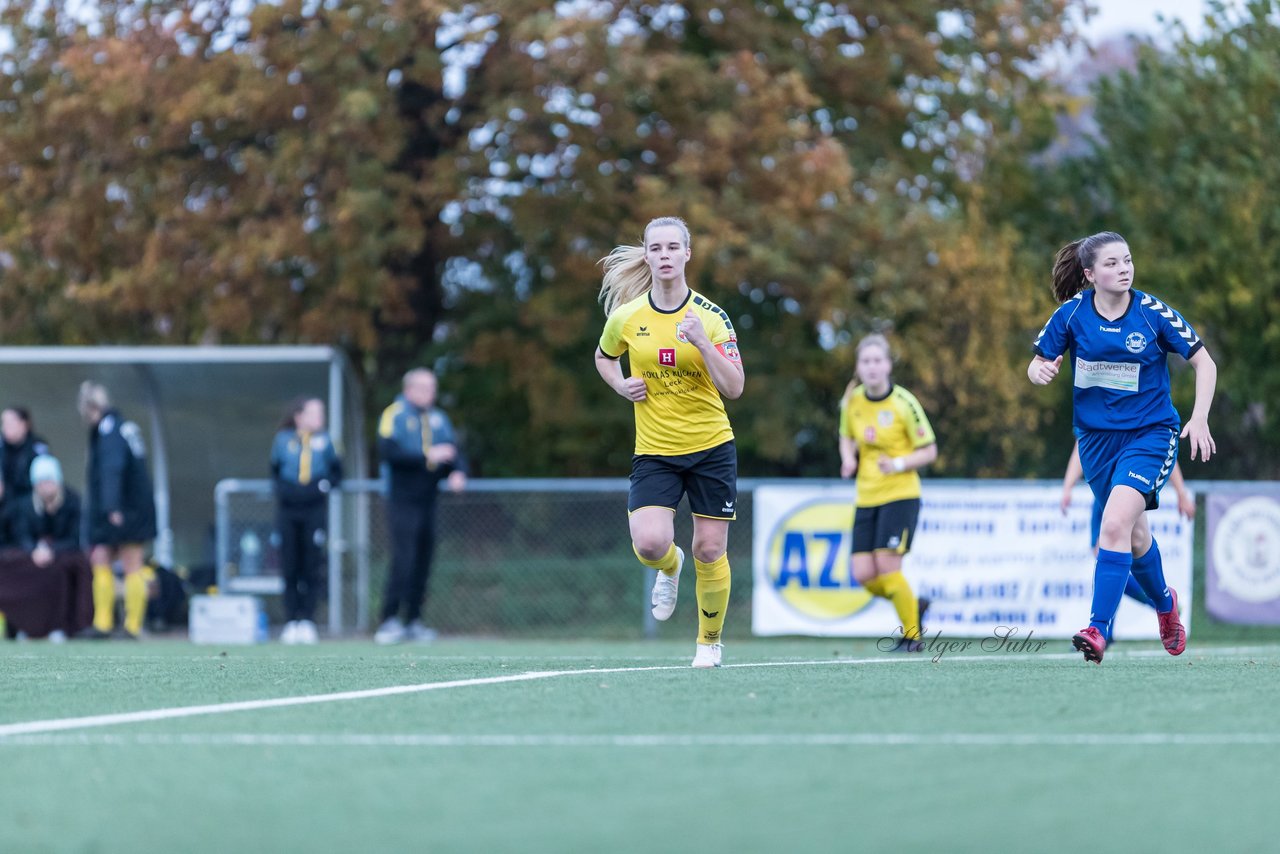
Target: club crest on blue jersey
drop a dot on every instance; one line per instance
(1136, 342)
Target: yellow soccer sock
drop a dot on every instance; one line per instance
(135, 602)
(874, 587)
(104, 598)
(713, 597)
(899, 592)
(665, 564)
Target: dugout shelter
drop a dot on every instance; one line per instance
(208, 413)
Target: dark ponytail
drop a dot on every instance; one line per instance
(1076, 257)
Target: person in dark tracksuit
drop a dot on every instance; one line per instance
(20, 446)
(48, 521)
(418, 447)
(305, 466)
(121, 510)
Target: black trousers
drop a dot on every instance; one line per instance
(301, 536)
(413, 540)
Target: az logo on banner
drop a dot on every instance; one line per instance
(807, 561)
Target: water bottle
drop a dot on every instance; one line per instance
(250, 553)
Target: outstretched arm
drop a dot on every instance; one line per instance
(1196, 431)
(1071, 476)
(1186, 501)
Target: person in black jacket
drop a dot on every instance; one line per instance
(48, 522)
(305, 466)
(120, 508)
(44, 588)
(19, 447)
(418, 449)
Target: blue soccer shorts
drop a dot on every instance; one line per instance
(1141, 459)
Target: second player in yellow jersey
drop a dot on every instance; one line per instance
(885, 438)
(889, 425)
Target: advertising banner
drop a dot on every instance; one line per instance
(987, 556)
(1242, 561)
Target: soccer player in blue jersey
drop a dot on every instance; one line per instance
(1125, 422)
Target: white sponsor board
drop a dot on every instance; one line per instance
(987, 556)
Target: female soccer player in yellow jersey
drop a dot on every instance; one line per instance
(885, 438)
(684, 358)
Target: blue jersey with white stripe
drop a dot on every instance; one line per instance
(1120, 367)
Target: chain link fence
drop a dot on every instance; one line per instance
(548, 558)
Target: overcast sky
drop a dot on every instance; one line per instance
(1116, 17)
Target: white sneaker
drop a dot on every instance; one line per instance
(307, 633)
(415, 632)
(708, 655)
(391, 631)
(665, 589)
(57, 636)
(289, 634)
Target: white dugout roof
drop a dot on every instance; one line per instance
(208, 413)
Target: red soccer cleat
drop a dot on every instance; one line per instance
(1172, 633)
(1091, 642)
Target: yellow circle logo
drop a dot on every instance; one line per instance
(808, 561)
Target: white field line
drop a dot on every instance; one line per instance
(433, 740)
(62, 724)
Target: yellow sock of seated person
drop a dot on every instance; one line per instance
(665, 564)
(104, 598)
(713, 597)
(899, 592)
(135, 602)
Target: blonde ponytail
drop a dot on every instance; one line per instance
(626, 276)
(626, 272)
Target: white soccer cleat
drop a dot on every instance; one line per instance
(708, 655)
(390, 632)
(665, 589)
(289, 636)
(416, 632)
(307, 633)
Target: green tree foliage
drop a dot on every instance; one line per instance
(1182, 165)
(412, 180)
(827, 163)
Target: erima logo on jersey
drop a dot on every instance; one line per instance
(1137, 476)
(1108, 328)
(643, 333)
(1136, 342)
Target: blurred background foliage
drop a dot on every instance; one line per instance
(427, 182)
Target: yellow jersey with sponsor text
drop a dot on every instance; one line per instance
(682, 412)
(890, 426)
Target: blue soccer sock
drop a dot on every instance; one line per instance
(1134, 590)
(1149, 571)
(1109, 577)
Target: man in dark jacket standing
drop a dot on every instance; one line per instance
(121, 510)
(418, 447)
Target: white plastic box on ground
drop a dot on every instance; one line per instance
(227, 620)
